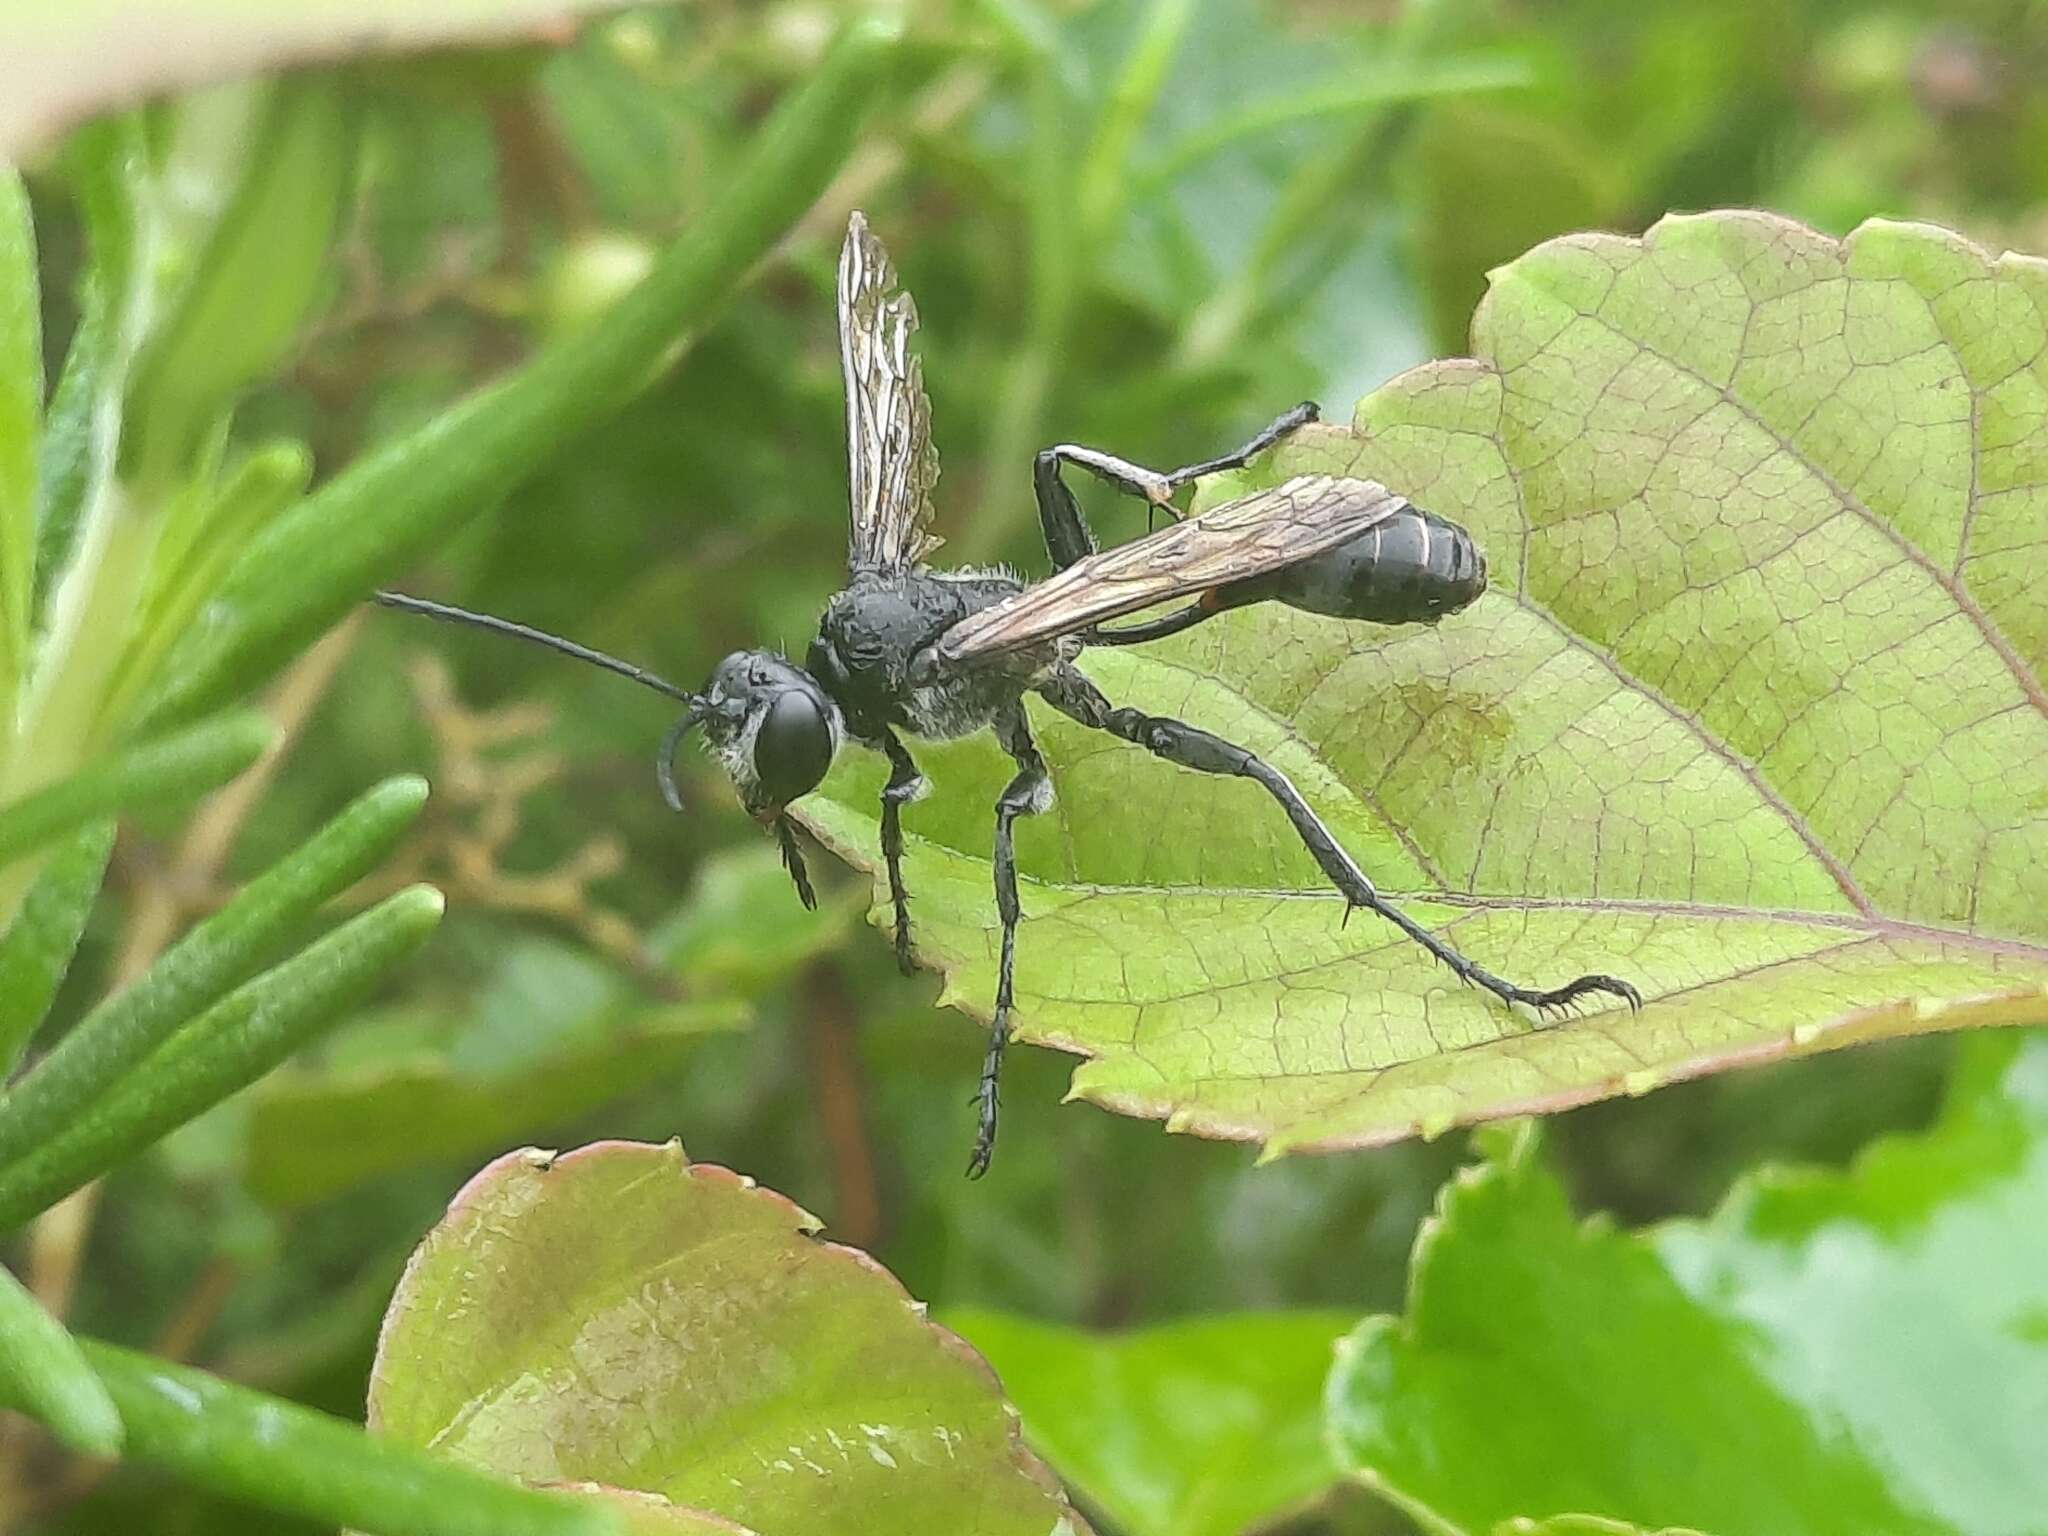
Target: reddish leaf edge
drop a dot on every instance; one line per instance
(544, 1160)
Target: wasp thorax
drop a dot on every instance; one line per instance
(771, 726)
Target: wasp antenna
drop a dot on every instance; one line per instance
(665, 758)
(497, 626)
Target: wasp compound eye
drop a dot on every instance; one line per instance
(793, 748)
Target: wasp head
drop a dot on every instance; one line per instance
(769, 725)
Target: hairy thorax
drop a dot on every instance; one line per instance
(871, 632)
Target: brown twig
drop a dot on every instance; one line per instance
(486, 764)
(835, 1063)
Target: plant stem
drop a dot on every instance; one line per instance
(251, 1446)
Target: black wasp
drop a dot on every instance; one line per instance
(906, 650)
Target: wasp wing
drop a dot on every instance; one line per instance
(891, 467)
(1252, 536)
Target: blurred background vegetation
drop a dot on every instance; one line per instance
(1142, 224)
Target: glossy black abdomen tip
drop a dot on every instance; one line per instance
(1412, 567)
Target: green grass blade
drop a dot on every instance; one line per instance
(169, 769)
(261, 265)
(220, 953)
(38, 948)
(21, 408)
(42, 1370)
(64, 458)
(327, 553)
(249, 1445)
(226, 1048)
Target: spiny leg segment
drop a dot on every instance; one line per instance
(1189, 747)
(1029, 793)
(905, 785)
(1067, 535)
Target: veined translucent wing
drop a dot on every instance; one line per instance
(891, 466)
(1252, 536)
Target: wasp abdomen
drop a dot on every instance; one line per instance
(1412, 567)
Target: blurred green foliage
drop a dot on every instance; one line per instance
(1132, 223)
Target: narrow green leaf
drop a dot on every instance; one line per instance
(327, 553)
(39, 945)
(1407, 80)
(64, 457)
(251, 283)
(224, 1049)
(168, 769)
(250, 1445)
(201, 539)
(42, 1369)
(21, 406)
(221, 952)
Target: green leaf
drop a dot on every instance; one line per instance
(1830, 1352)
(251, 281)
(221, 952)
(277, 1454)
(21, 409)
(327, 553)
(316, 1131)
(619, 1315)
(37, 951)
(1752, 716)
(739, 930)
(1582, 1525)
(1206, 1427)
(204, 533)
(224, 1049)
(65, 460)
(42, 1369)
(170, 769)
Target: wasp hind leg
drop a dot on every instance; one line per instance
(1029, 793)
(1189, 747)
(905, 785)
(1067, 535)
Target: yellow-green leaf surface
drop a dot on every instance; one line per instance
(617, 1315)
(1831, 1354)
(1752, 715)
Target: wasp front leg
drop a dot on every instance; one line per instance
(1067, 535)
(905, 785)
(1028, 794)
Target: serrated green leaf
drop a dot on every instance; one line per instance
(1752, 716)
(1832, 1352)
(1205, 1427)
(619, 1315)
